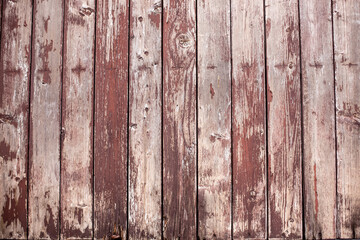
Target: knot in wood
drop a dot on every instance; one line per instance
(86, 10)
(157, 7)
(252, 195)
(184, 40)
(291, 65)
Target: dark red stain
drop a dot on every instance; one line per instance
(73, 232)
(247, 68)
(51, 227)
(212, 91)
(354, 221)
(12, 72)
(316, 194)
(44, 55)
(46, 23)
(282, 66)
(13, 21)
(78, 69)
(269, 94)
(111, 109)
(144, 67)
(76, 19)
(5, 151)
(292, 36)
(268, 27)
(155, 15)
(350, 115)
(15, 209)
(79, 213)
(8, 119)
(316, 65)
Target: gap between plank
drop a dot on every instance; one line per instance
(266, 124)
(231, 133)
(197, 126)
(29, 115)
(128, 125)
(335, 122)
(302, 126)
(61, 112)
(93, 126)
(162, 120)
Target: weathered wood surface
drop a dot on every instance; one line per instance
(249, 119)
(214, 119)
(0, 18)
(179, 127)
(14, 106)
(318, 119)
(77, 120)
(284, 119)
(111, 109)
(45, 98)
(132, 119)
(346, 17)
(145, 120)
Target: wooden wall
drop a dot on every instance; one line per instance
(180, 119)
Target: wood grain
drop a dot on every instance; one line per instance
(111, 109)
(346, 16)
(1, 11)
(77, 120)
(14, 107)
(248, 124)
(44, 159)
(284, 119)
(145, 120)
(214, 119)
(319, 119)
(179, 132)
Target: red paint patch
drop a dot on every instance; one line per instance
(51, 228)
(13, 22)
(44, 55)
(268, 27)
(269, 95)
(212, 91)
(46, 23)
(15, 209)
(155, 18)
(5, 151)
(155, 14)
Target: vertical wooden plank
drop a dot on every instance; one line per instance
(284, 119)
(77, 120)
(346, 17)
(214, 124)
(44, 159)
(145, 120)
(1, 12)
(319, 119)
(179, 111)
(111, 109)
(248, 125)
(14, 107)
